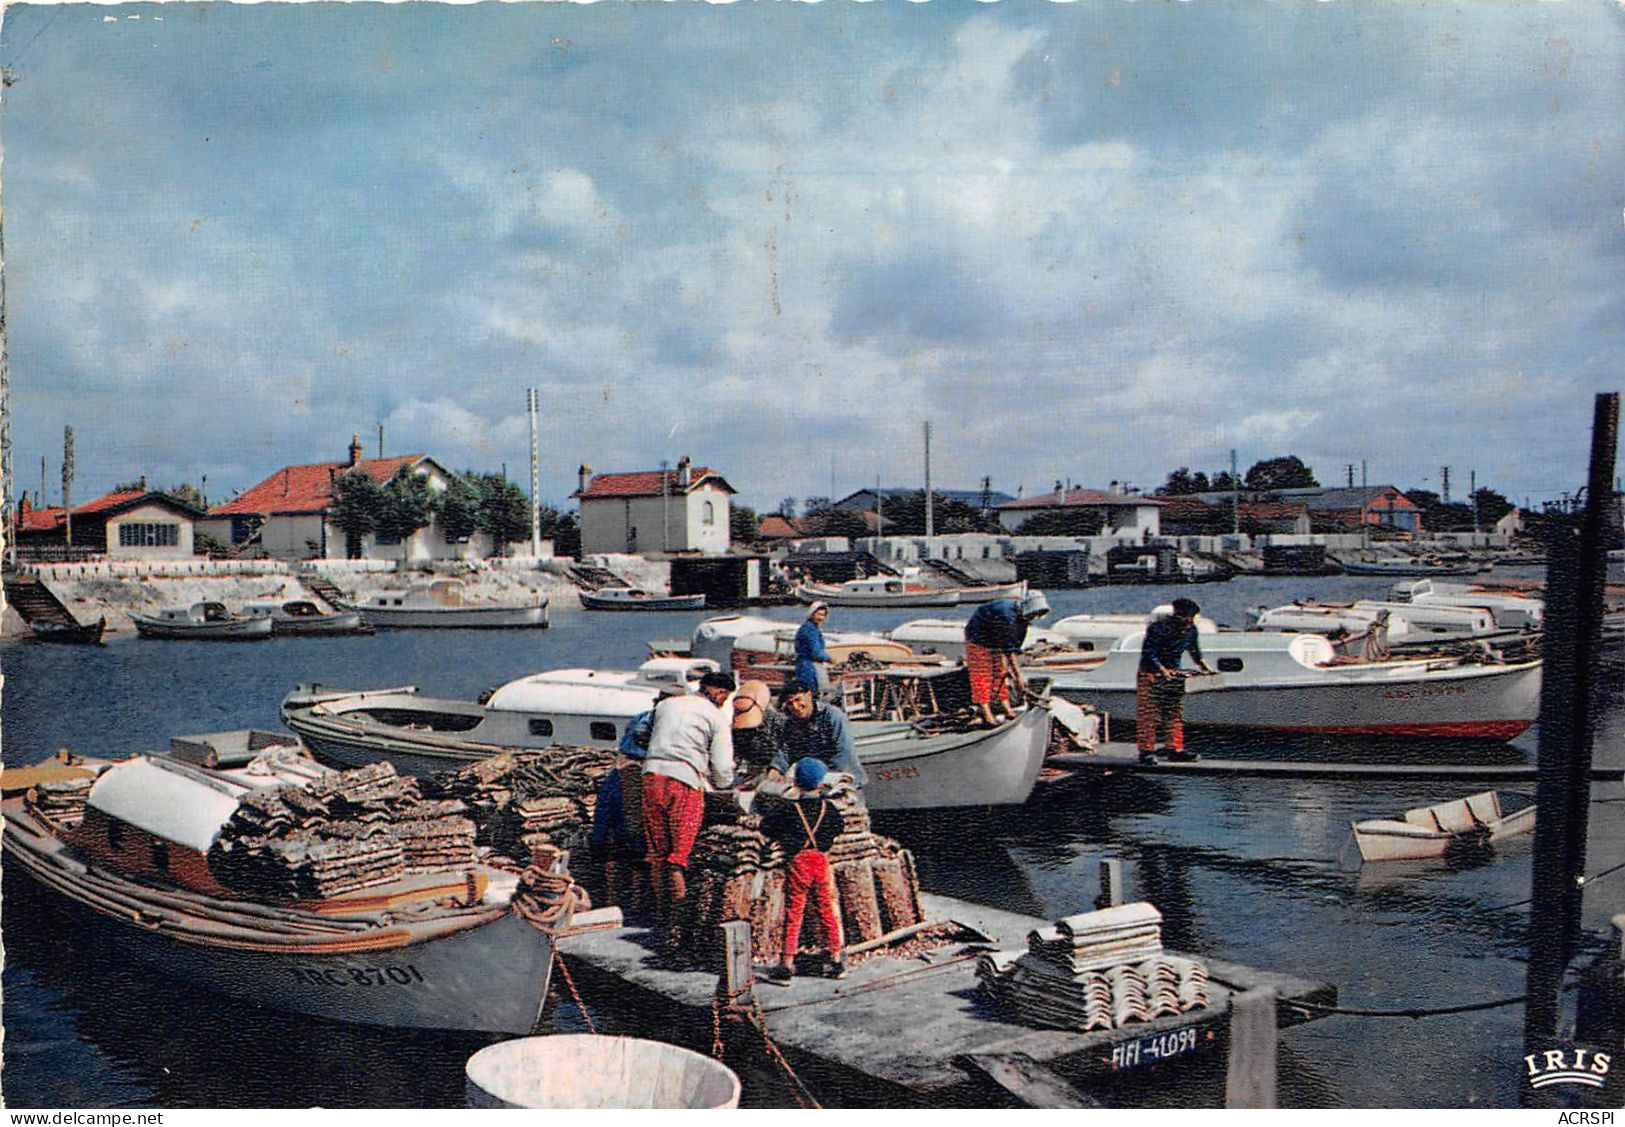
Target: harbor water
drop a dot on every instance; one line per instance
(1243, 869)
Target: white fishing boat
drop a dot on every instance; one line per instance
(445, 603)
(1311, 618)
(636, 598)
(1510, 610)
(303, 616)
(910, 763)
(911, 768)
(426, 735)
(987, 592)
(423, 950)
(201, 621)
(1406, 565)
(754, 646)
(879, 591)
(945, 637)
(1103, 631)
(1474, 822)
(1296, 683)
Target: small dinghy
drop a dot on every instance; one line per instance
(1474, 822)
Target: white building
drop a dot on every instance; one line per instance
(288, 516)
(681, 510)
(1124, 514)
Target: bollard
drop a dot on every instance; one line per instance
(738, 982)
(1111, 884)
(1250, 1079)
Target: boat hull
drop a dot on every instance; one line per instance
(1470, 702)
(840, 597)
(462, 618)
(592, 601)
(77, 634)
(489, 974)
(986, 767)
(237, 630)
(1354, 567)
(345, 622)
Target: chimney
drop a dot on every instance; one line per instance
(685, 476)
(24, 505)
(1112, 488)
(355, 449)
(1060, 493)
(287, 479)
(583, 477)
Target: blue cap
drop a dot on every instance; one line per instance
(809, 773)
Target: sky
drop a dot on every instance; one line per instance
(1091, 241)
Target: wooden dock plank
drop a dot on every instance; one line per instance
(913, 1023)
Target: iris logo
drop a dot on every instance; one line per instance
(1567, 1066)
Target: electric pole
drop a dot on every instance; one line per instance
(1235, 497)
(1444, 483)
(67, 482)
(930, 525)
(1351, 474)
(535, 481)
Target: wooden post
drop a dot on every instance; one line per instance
(1111, 884)
(738, 981)
(1575, 575)
(1250, 1081)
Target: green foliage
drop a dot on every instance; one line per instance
(1285, 472)
(905, 516)
(460, 508)
(358, 502)
(567, 535)
(504, 511)
(1183, 481)
(1064, 522)
(408, 505)
(1492, 506)
(743, 524)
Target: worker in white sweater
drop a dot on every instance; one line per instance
(690, 752)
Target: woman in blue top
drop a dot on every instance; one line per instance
(811, 656)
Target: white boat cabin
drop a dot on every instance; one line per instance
(195, 614)
(436, 593)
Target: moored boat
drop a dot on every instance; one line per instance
(1474, 822)
(1406, 565)
(1296, 683)
(201, 621)
(139, 852)
(444, 603)
(879, 591)
(303, 616)
(70, 633)
(635, 598)
(911, 768)
(987, 592)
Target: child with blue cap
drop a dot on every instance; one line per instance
(806, 827)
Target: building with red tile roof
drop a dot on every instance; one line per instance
(123, 524)
(289, 514)
(651, 511)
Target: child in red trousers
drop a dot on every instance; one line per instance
(806, 827)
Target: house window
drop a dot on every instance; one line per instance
(385, 540)
(708, 514)
(149, 534)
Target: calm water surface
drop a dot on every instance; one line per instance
(1244, 870)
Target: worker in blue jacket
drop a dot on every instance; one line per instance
(804, 727)
(993, 637)
(811, 656)
(1159, 687)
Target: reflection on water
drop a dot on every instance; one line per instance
(1244, 870)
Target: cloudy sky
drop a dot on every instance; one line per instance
(1094, 241)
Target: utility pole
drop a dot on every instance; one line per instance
(930, 523)
(67, 483)
(7, 500)
(535, 481)
(1365, 525)
(1472, 495)
(1351, 475)
(1235, 497)
(880, 509)
(380, 440)
(665, 507)
(1444, 483)
(1575, 574)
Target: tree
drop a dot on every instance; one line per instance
(905, 516)
(743, 524)
(460, 508)
(408, 505)
(1222, 481)
(1492, 506)
(567, 535)
(187, 494)
(358, 502)
(1183, 481)
(504, 512)
(1285, 472)
(1064, 522)
(787, 508)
